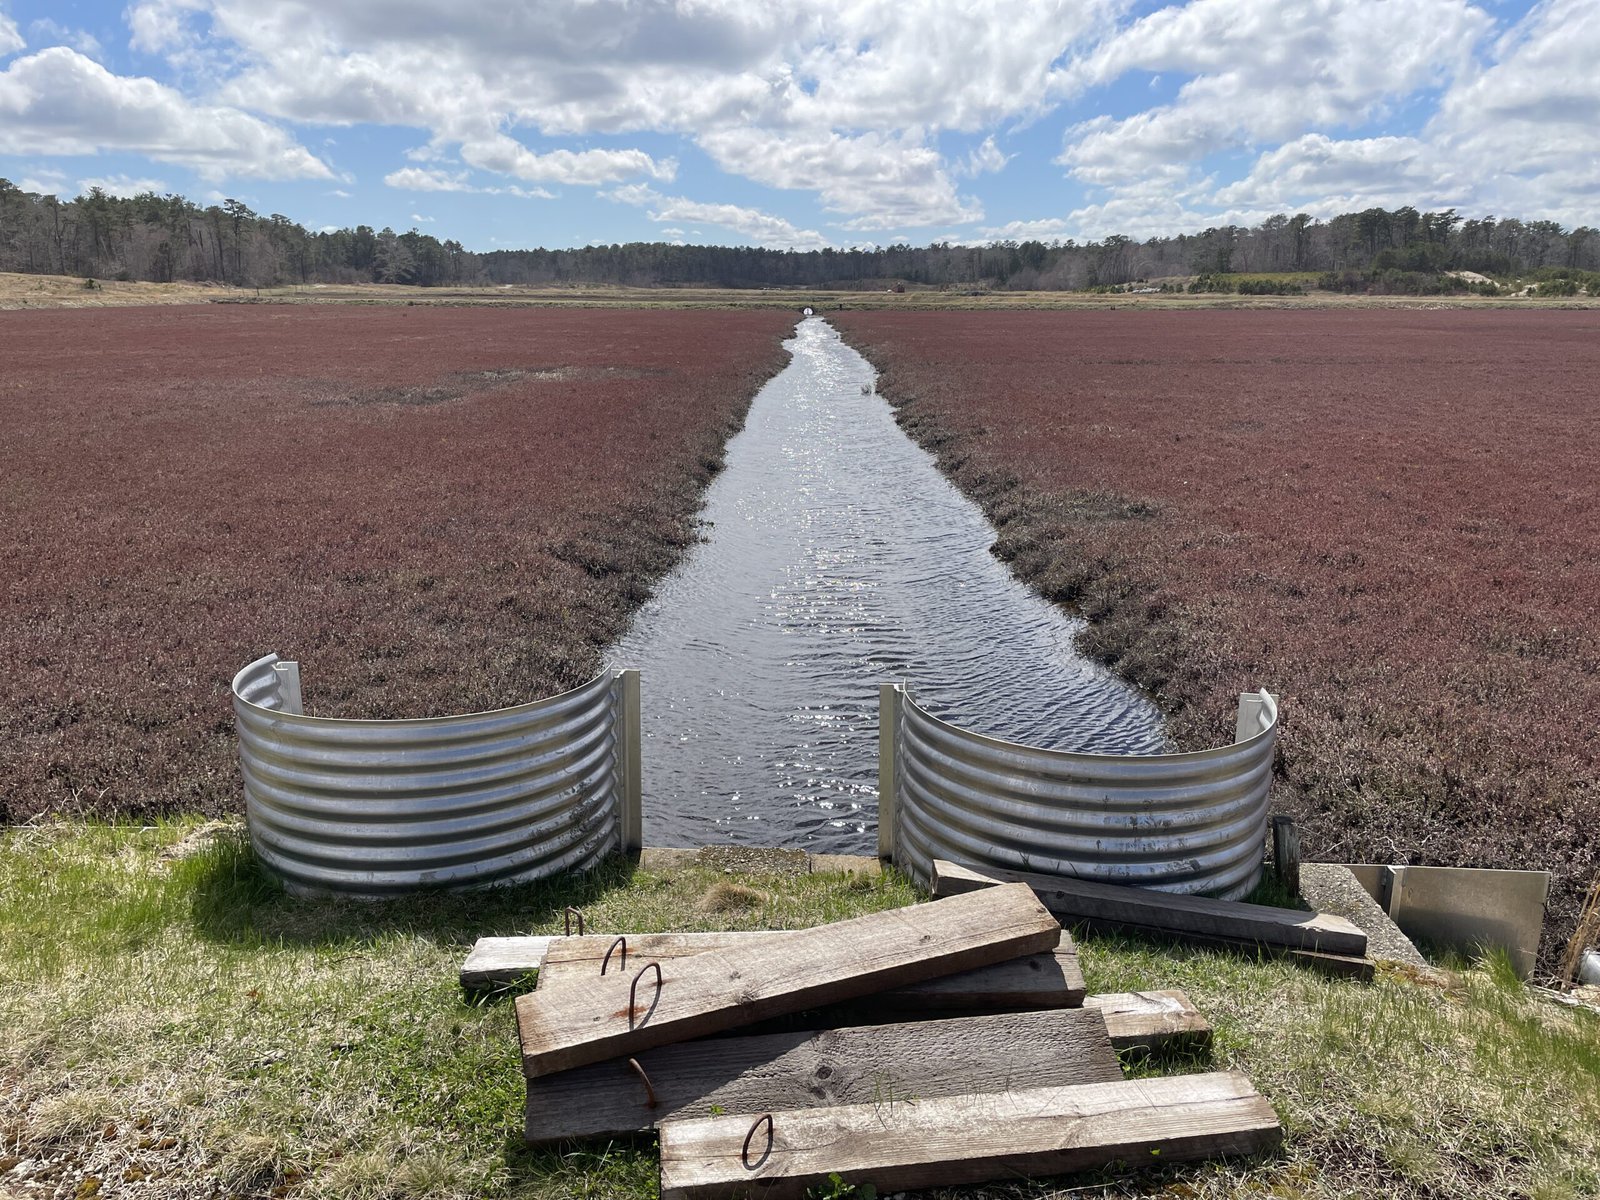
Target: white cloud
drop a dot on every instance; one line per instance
(838, 97)
(161, 26)
(43, 183)
(1287, 79)
(1527, 127)
(1139, 215)
(890, 180)
(1046, 229)
(419, 179)
(10, 39)
(849, 102)
(1324, 176)
(420, 219)
(123, 186)
(985, 159)
(762, 228)
(54, 33)
(1517, 135)
(58, 102)
(506, 155)
(1264, 71)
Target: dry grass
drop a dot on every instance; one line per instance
(724, 897)
(64, 291)
(177, 1028)
(67, 291)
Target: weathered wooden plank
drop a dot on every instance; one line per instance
(951, 1140)
(1151, 1020)
(501, 961)
(1143, 910)
(1052, 979)
(685, 998)
(875, 1063)
(1340, 966)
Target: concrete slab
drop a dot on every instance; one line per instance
(666, 858)
(1329, 887)
(868, 866)
(752, 860)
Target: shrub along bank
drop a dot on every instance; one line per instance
(436, 510)
(1390, 518)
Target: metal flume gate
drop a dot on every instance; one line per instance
(1191, 822)
(378, 808)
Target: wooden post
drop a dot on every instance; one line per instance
(631, 751)
(1286, 852)
(889, 700)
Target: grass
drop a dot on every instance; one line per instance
(177, 1026)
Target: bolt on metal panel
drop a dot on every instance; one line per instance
(1194, 822)
(379, 808)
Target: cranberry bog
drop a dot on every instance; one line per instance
(436, 510)
(1389, 517)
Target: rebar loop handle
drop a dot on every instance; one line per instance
(744, 1152)
(634, 988)
(623, 963)
(649, 1091)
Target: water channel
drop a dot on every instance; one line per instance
(836, 558)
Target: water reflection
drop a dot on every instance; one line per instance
(837, 557)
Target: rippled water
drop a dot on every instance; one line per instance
(839, 558)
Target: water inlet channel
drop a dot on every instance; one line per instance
(837, 558)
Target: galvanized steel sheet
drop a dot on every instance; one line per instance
(1191, 822)
(379, 808)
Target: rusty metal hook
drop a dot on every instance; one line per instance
(644, 1079)
(634, 988)
(606, 961)
(744, 1152)
(573, 912)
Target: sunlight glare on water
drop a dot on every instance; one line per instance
(838, 558)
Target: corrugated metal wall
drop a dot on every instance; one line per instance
(1193, 822)
(379, 808)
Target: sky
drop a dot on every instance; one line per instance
(517, 123)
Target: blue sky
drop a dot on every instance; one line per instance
(835, 122)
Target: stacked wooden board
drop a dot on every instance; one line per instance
(1322, 941)
(941, 1043)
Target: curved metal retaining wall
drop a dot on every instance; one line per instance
(378, 808)
(1192, 822)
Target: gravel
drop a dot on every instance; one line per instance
(1328, 887)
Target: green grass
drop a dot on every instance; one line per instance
(176, 1025)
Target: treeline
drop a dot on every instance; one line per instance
(168, 238)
